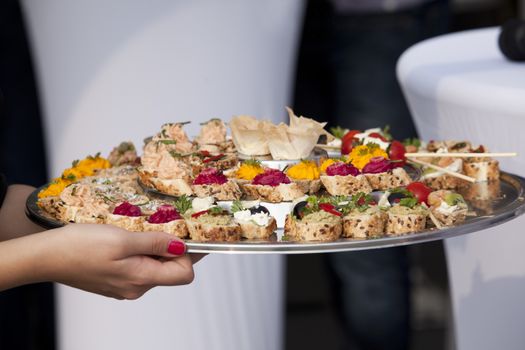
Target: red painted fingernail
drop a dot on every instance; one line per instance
(176, 247)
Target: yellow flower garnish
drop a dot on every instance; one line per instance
(361, 155)
(248, 170)
(327, 163)
(305, 170)
(80, 169)
(55, 188)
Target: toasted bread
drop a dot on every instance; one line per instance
(345, 185)
(399, 224)
(273, 194)
(251, 230)
(175, 227)
(226, 192)
(482, 171)
(388, 180)
(210, 232)
(130, 223)
(363, 225)
(297, 230)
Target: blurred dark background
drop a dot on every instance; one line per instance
(348, 94)
(313, 320)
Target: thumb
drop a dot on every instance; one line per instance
(155, 243)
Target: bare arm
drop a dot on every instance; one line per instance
(102, 259)
(13, 221)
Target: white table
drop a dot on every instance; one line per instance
(116, 70)
(459, 86)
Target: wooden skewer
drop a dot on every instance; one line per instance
(435, 220)
(460, 154)
(446, 171)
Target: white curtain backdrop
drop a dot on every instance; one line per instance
(116, 70)
(459, 86)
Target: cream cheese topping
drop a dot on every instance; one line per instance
(201, 204)
(245, 216)
(444, 208)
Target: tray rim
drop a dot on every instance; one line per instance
(500, 216)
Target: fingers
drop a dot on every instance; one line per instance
(172, 272)
(154, 243)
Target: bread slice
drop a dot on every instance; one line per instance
(370, 223)
(388, 180)
(130, 223)
(174, 187)
(201, 231)
(403, 220)
(274, 194)
(309, 186)
(298, 230)
(482, 171)
(175, 227)
(226, 192)
(345, 185)
(443, 182)
(229, 160)
(251, 230)
(454, 218)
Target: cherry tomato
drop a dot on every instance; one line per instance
(396, 151)
(350, 135)
(378, 136)
(348, 141)
(420, 191)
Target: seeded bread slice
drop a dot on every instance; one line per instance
(226, 192)
(251, 230)
(130, 223)
(345, 185)
(309, 186)
(175, 227)
(399, 224)
(208, 232)
(364, 225)
(388, 180)
(482, 171)
(274, 194)
(297, 230)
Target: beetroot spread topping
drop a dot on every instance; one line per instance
(210, 176)
(378, 165)
(127, 209)
(271, 177)
(164, 214)
(342, 169)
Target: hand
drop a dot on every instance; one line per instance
(110, 261)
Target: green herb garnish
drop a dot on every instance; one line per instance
(215, 210)
(211, 120)
(252, 162)
(414, 141)
(182, 204)
(386, 133)
(167, 142)
(338, 132)
(408, 202)
(237, 206)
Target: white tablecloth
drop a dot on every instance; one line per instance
(459, 86)
(116, 70)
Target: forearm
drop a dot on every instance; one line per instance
(13, 221)
(21, 261)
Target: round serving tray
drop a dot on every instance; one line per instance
(508, 204)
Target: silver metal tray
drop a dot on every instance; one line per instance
(506, 205)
